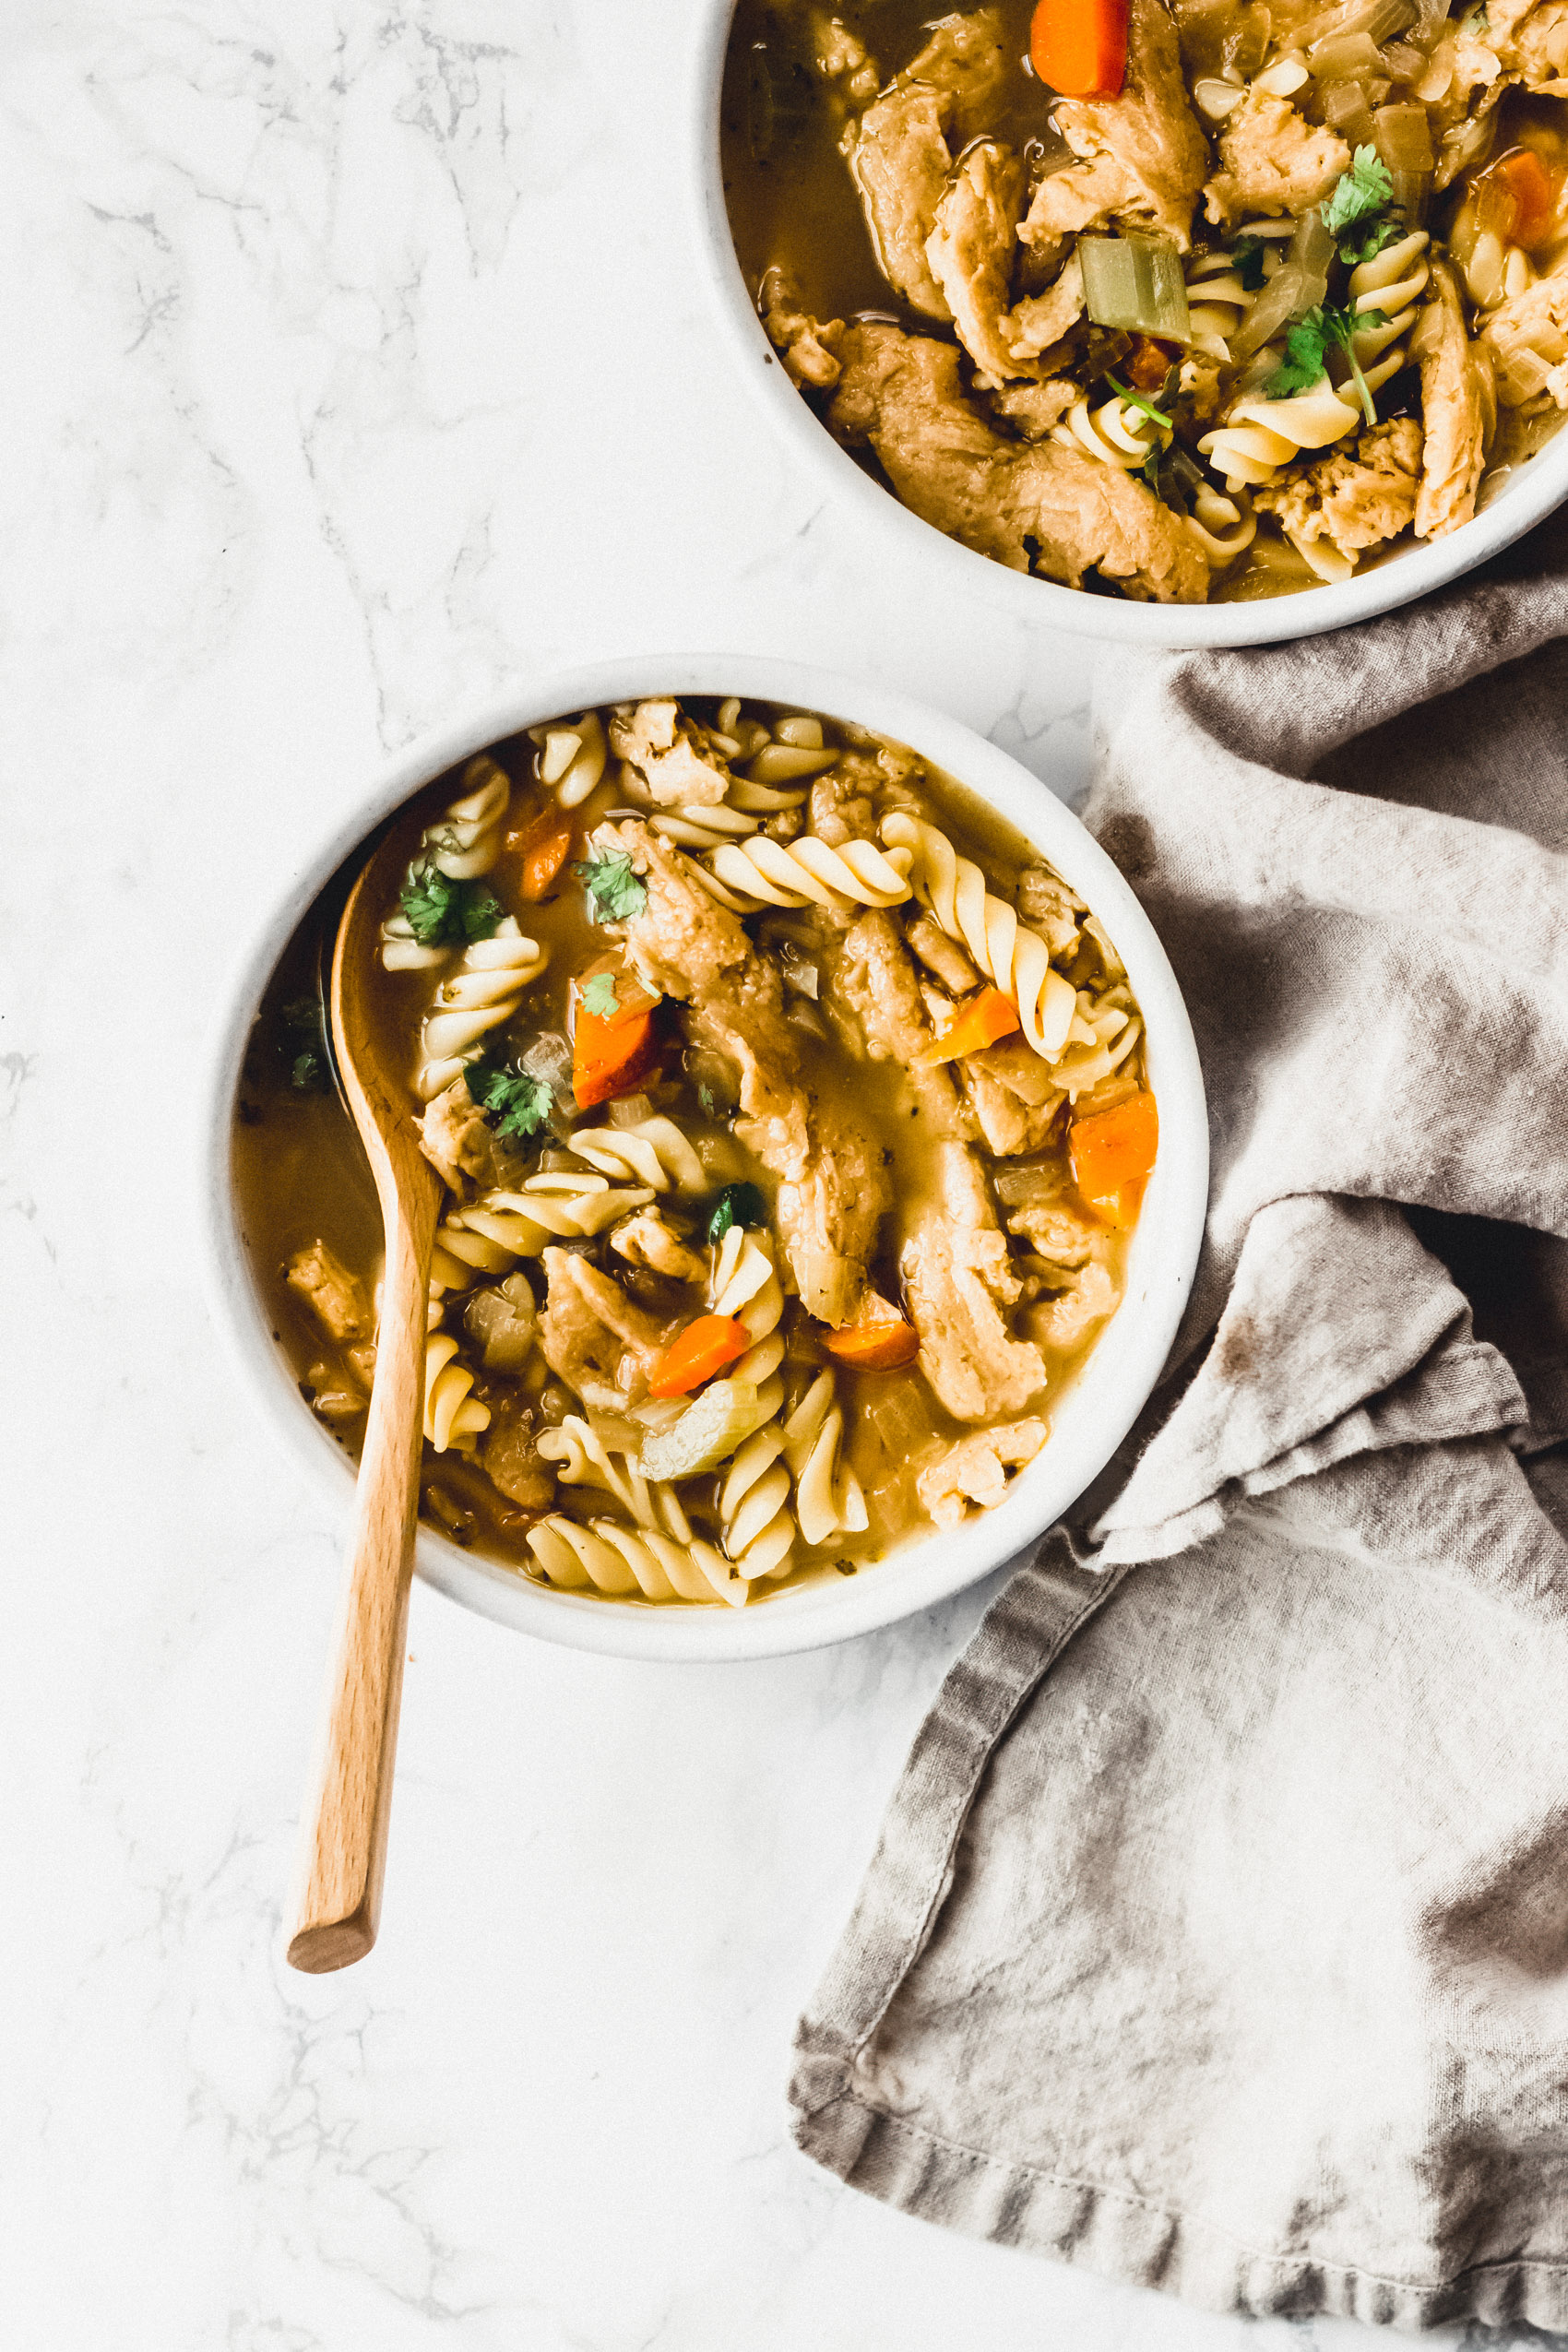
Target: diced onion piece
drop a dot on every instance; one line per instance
(1311, 251)
(1216, 98)
(1404, 137)
(1282, 80)
(1135, 283)
(1281, 298)
(1410, 191)
(1352, 58)
(1345, 110)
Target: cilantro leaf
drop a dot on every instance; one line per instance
(1302, 364)
(614, 892)
(736, 1204)
(1364, 189)
(441, 911)
(598, 996)
(1246, 257)
(514, 1104)
(1138, 400)
(1306, 344)
(1354, 249)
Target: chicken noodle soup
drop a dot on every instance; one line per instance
(1212, 299)
(792, 1119)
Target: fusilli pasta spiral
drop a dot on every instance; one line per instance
(764, 872)
(652, 1152)
(583, 1458)
(1118, 432)
(754, 1507)
(1103, 1034)
(746, 1287)
(1018, 960)
(499, 1228)
(828, 1499)
(484, 991)
(571, 757)
(1222, 526)
(628, 1561)
(451, 1416)
(463, 844)
(1392, 282)
(1259, 436)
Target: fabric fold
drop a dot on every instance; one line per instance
(1216, 1939)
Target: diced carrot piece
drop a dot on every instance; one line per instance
(978, 1022)
(880, 1344)
(696, 1354)
(1535, 190)
(1148, 363)
(1079, 47)
(611, 1051)
(542, 847)
(1112, 1153)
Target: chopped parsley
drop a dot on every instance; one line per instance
(444, 912)
(1354, 249)
(306, 1044)
(736, 1204)
(1306, 344)
(1138, 400)
(614, 892)
(515, 1105)
(1246, 258)
(597, 995)
(1358, 199)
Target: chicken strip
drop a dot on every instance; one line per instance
(1032, 505)
(832, 1188)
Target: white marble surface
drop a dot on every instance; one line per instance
(356, 362)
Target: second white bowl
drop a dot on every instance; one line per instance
(957, 572)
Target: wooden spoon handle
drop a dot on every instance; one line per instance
(336, 1903)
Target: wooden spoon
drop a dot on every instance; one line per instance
(336, 1903)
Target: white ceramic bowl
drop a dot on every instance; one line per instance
(1090, 1421)
(958, 572)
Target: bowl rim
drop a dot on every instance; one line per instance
(1094, 1415)
(1540, 485)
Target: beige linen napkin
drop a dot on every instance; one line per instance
(1218, 1934)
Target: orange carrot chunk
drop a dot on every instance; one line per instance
(614, 1042)
(977, 1022)
(1112, 1153)
(1534, 190)
(696, 1354)
(543, 847)
(882, 1344)
(1079, 47)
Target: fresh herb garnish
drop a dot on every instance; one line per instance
(1355, 249)
(1246, 259)
(512, 1103)
(306, 1047)
(597, 995)
(1138, 400)
(736, 1204)
(614, 891)
(1358, 195)
(1308, 341)
(441, 912)
(705, 1096)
